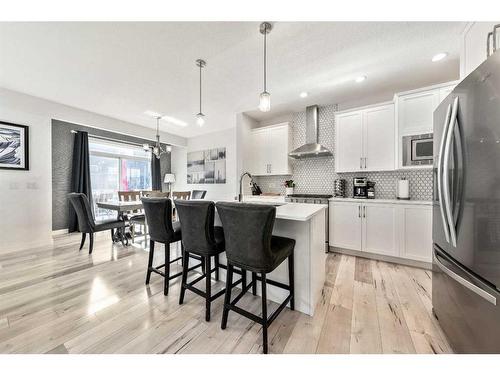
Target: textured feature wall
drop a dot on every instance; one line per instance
(62, 154)
(316, 176)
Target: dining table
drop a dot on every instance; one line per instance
(121, 208)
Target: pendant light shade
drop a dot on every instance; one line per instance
(265, 97)
(200, 117)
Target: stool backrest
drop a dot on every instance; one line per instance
(197, 225)
(81, 204)
(198, 194)
(158, 213)
(247, 231)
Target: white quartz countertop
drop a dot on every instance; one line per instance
(392, 201)
(292, 211)
(299, 211)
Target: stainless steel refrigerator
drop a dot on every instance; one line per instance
(466, 212)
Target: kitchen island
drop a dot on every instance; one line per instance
(305, 223)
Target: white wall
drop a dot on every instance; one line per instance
(224, 138)
(25, 196)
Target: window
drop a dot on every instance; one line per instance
(116, 167)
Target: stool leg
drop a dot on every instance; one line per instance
(208, 287)
(203, 270)
(185, 266)
(243, 279)
(150, 261)
(227, 297)
(291, 281)
(91, 243)
(84, 235)
(167, 269)
(264, 313)
(254, 283)
(216, 261)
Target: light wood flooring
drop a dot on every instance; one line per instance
(59, 300)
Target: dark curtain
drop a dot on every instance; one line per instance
(80, 173)
(155, 173)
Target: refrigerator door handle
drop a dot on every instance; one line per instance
(459, 279)
(446, 174)
(488, 37)
(439, 174)
(494, 37)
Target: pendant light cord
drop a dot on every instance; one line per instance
(265, 56)
(200, 88)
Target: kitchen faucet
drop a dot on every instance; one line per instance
(240, 195)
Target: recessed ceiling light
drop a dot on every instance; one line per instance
(439, 56)
(152, 114)
(360, 79)
(174, 120)
(169, 119)
(304, 94)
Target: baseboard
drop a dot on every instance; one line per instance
(385, 258)
(60, 232)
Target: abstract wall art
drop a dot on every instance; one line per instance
(14, 147)
(207, 166)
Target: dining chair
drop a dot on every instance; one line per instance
(86, 222)
(181, 195)
(198, 194)
(135, 217)
(157, 194)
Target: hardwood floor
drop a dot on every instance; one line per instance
(59, 300)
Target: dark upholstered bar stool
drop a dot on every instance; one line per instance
(158, 213)
(251, 246)
(86, 223)
(200, 237)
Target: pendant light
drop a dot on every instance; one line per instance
(156, 149)
(200, 117)
(265, 97)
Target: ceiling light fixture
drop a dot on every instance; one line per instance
(438, 57)
(304, 94)
(360, 79)
(156, 149)
(265, 97)
(200, 117)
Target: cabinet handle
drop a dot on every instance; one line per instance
(364, 211)
(270, 168)
(359, 211)
(365, 163)
(360, 163)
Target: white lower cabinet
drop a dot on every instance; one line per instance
(393, 229)
(346, 232)
(416, 225)
(379, 229)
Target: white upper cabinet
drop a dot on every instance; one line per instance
(473, 50)
(269, 150)
(349, 142)
(364, 139)
(378, 140)
(415, 111)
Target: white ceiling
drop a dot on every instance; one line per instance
(123, 69)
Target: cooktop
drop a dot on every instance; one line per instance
(310, 196)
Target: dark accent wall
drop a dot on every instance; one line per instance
(62, 154)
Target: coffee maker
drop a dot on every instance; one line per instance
(360, 185)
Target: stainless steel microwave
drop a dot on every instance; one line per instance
(417, 149)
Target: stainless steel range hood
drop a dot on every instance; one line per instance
(312, 149)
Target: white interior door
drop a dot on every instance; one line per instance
(345, 225)
(380, 233)
(379, 138)
(349, 142)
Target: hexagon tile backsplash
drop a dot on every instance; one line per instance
(316, 176)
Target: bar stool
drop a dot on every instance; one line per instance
(251, 246)
(200, 237)
(158, 213)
